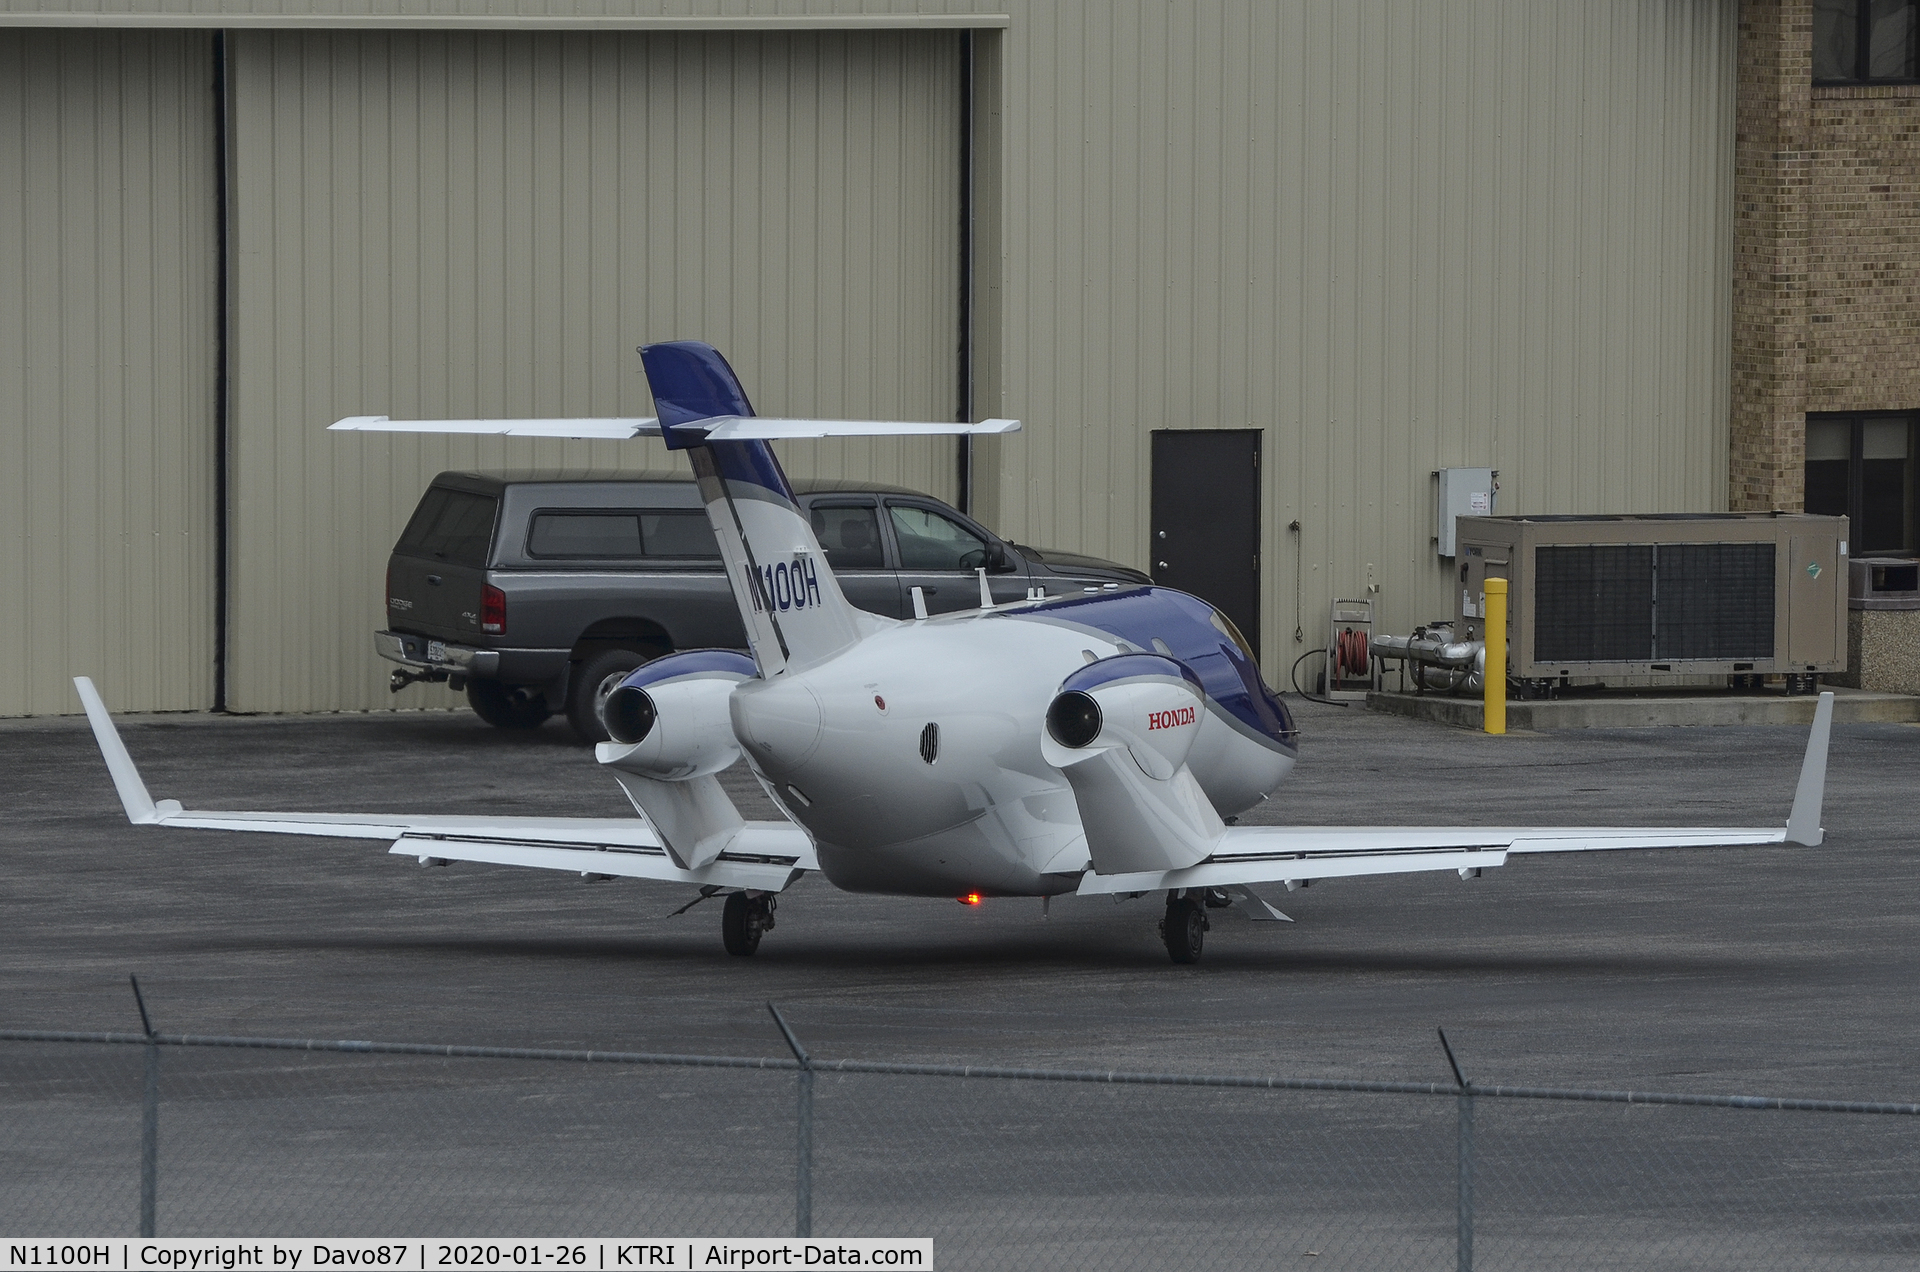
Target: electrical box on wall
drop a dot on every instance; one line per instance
(1463, 492)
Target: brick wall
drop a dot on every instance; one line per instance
(1863, 259)
(1826, 277)
(1767, 428)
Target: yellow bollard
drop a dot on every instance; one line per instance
(1493, 680)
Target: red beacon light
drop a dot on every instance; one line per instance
(971, 898)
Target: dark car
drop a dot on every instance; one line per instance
(537, 592)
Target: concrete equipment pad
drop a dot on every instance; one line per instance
(1642, 708)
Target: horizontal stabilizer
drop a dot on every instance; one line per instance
(603, 430)
(719, 428)
(735, 428)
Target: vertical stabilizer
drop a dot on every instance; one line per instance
(790, 602)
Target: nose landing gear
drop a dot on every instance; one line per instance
(1185, 927)
(746, 916)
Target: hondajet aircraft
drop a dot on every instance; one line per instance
(1088, 744)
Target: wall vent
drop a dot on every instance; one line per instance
(930, 743)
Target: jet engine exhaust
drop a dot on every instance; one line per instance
(1074, 719)
(630, 715)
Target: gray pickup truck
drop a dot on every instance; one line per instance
(538, 592)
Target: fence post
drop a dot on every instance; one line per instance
(149, 1119)
(803, 1175)
(1463, 1238)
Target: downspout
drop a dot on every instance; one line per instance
(222, 397)
(965, 361)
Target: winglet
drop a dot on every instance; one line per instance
(1803, 823)
(126, 778)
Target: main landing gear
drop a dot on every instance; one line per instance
(746, 916)
(1185, 927)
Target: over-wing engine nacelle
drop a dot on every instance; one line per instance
(1148, 704)
(672, 733)
(669, 719)
(1120, 730)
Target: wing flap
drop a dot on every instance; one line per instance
(1289, 854)
(767, 861)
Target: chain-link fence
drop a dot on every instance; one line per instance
(183, 1136)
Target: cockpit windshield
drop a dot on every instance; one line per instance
(1232, 633)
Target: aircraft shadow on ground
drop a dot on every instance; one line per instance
(1119, 951)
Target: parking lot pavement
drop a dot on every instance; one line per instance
(1771, 969)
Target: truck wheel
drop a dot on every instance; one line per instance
(587, 691)
(507, 706)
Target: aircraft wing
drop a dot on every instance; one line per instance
(1297, 855)
(764, 856)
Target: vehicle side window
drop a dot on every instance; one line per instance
(686, 534)
(622, 535)
(850, 536)
(454, 526)
(929, 541)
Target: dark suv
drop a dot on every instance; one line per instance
(537, 592)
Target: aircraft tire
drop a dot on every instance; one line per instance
(1185, 929)
(738, 931)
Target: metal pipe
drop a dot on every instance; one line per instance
(1430, 650)
(149, 1118)
(803, 1140)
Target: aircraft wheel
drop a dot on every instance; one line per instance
(1185, 928)
(743, 921)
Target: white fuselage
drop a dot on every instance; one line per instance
(840, 745)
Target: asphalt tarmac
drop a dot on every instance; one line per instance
(1759, 971)
(1773, 969)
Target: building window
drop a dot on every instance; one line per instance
(1861, 466)
(1865, 41)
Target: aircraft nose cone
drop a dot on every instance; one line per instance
(780, 723)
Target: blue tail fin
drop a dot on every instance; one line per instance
(794, 611)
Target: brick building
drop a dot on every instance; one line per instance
(1825, 390)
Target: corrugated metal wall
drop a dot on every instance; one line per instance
(1394, 236)
(488, 224)
(107, 308)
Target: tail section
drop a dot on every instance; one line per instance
(792, 606)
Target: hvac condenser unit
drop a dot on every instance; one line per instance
(1686, 594)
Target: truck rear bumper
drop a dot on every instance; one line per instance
(422, 654)
(430, 659)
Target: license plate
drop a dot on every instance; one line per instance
(436, 651)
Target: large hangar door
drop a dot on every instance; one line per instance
(487, 224)
(108, 297)
(1204, 529)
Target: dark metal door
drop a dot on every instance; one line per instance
(1205, 527)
